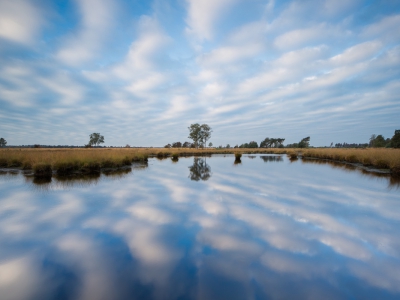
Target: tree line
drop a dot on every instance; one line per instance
(200, 134)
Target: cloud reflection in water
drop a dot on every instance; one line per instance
(259, 231)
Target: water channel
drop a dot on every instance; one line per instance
(202, 228)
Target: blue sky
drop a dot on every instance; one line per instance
(140, 72)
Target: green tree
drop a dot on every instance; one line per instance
(96, 139)
(199, 134)
(395, 142)
(210, 144)
(372, 140)
(205, 133)
(379, 141)
(194, 133)
(3, 142)
(304, 143)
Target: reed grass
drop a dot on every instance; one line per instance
(95, 158)
(381, 158)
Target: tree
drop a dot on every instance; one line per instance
(199, 134)
(395, 142)
(379, 141)
(371, 140)
(205, 133)
(228, 146)
(253, 144)
(194, 133)
(96, 139)
(177, 145)
(272, 143)
(304, 143)
(3, 142)
(187, 145)
(210, 144)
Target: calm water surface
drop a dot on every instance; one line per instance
(202, 228)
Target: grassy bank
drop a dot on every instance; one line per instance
(67, 161)
(380, 158)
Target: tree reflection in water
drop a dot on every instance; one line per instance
(200, 170)
(272, 158)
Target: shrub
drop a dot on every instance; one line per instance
(126, 161)
(238, 156)
(382, 164)
(352, 158)
(42, 170)
(175, 157)
(3, 162)
(26, 165)
(91, 167)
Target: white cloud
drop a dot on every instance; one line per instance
(202, 16)
(386, 28)
(300, 37)
(358, 53)
(20, 21)
(85, 44)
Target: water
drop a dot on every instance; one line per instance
(203, 228)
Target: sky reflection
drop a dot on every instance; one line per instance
(264, 230)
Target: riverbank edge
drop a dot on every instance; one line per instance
(65, 161)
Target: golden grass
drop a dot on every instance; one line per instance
(62, 157)
(382, 158)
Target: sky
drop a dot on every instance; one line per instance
(140, 72)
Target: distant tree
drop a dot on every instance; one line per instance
(194, 133)
(3, 142)
(253, 144)
(395, 142)
(272, 143)
(127, 146)
(205, 133)
(371, 140)
(167, 146)
(177, 145)
(187, 145)
(199, 134)
(210, 144)
(96, 139)
(294, 145)
(378, 142)
(304, 143)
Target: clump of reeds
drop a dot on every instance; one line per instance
(175, 157)
(126, 161)
(292, 155)
(140, 158)
(42, 170)
(3, 163)
(66, 168)
(92, 167)
(238, 157)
